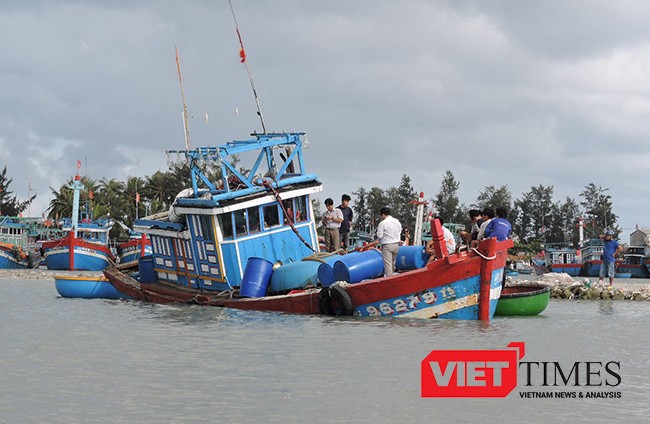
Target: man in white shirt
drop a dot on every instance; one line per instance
(486, 216)
(388, 233)
(332, 221)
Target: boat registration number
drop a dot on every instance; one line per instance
(408, 303)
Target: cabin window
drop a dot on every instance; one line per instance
(288, 207)
(300, 208)
(240, 222)
(206, 227)
(225, 221)
(253, 219)
(271, 216)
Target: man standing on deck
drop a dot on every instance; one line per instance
(332, 221)
(388, 233)
(611, 248)
(344, 229)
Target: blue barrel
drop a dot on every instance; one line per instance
(256, 278)
(145, 266)
(296, 275)
(411, 257)
(359, 267)
(326, 275)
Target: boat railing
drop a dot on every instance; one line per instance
(228, 181)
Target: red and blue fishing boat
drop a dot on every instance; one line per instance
(128, 253)
(86, 247)
(221, 240)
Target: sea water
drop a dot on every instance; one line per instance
(99, 361)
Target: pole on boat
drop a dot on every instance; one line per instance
(77, 186)
(419, 217)
(242, 55)
(185, 123)
(488, 250)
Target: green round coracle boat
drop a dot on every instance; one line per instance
(523, 300)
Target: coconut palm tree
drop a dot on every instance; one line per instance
(160, 189)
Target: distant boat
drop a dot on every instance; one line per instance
(558, 257)
(129, 252)
(591, 253)
(633, 262)
(20, 241)
(86, 245)
(511, 272)
(523, 300)
(86, 287)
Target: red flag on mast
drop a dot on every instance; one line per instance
(242, 52)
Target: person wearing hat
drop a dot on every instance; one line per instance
(611, 248)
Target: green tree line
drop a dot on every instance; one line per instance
(536, 216)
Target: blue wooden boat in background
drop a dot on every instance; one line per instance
(558, 257)
(20, 240)
(633, 262)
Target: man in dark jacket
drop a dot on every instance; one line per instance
(344, 229)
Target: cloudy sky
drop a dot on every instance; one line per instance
(500, 92)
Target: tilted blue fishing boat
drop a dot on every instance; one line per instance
(220, 240)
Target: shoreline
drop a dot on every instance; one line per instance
(42, 274)
(563, 286)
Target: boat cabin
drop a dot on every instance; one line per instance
(231, 214)
(560, 253)
(592, 250)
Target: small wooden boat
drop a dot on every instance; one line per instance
(623, 275)
(86, 287)
(523, 300)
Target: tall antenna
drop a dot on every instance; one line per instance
(185, 123)
(242, 55)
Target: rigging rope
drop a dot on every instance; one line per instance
(267, 184)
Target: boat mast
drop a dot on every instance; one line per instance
(77, 186)
(242, 55)
(185, 123)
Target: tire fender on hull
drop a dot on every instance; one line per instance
(335, 301)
